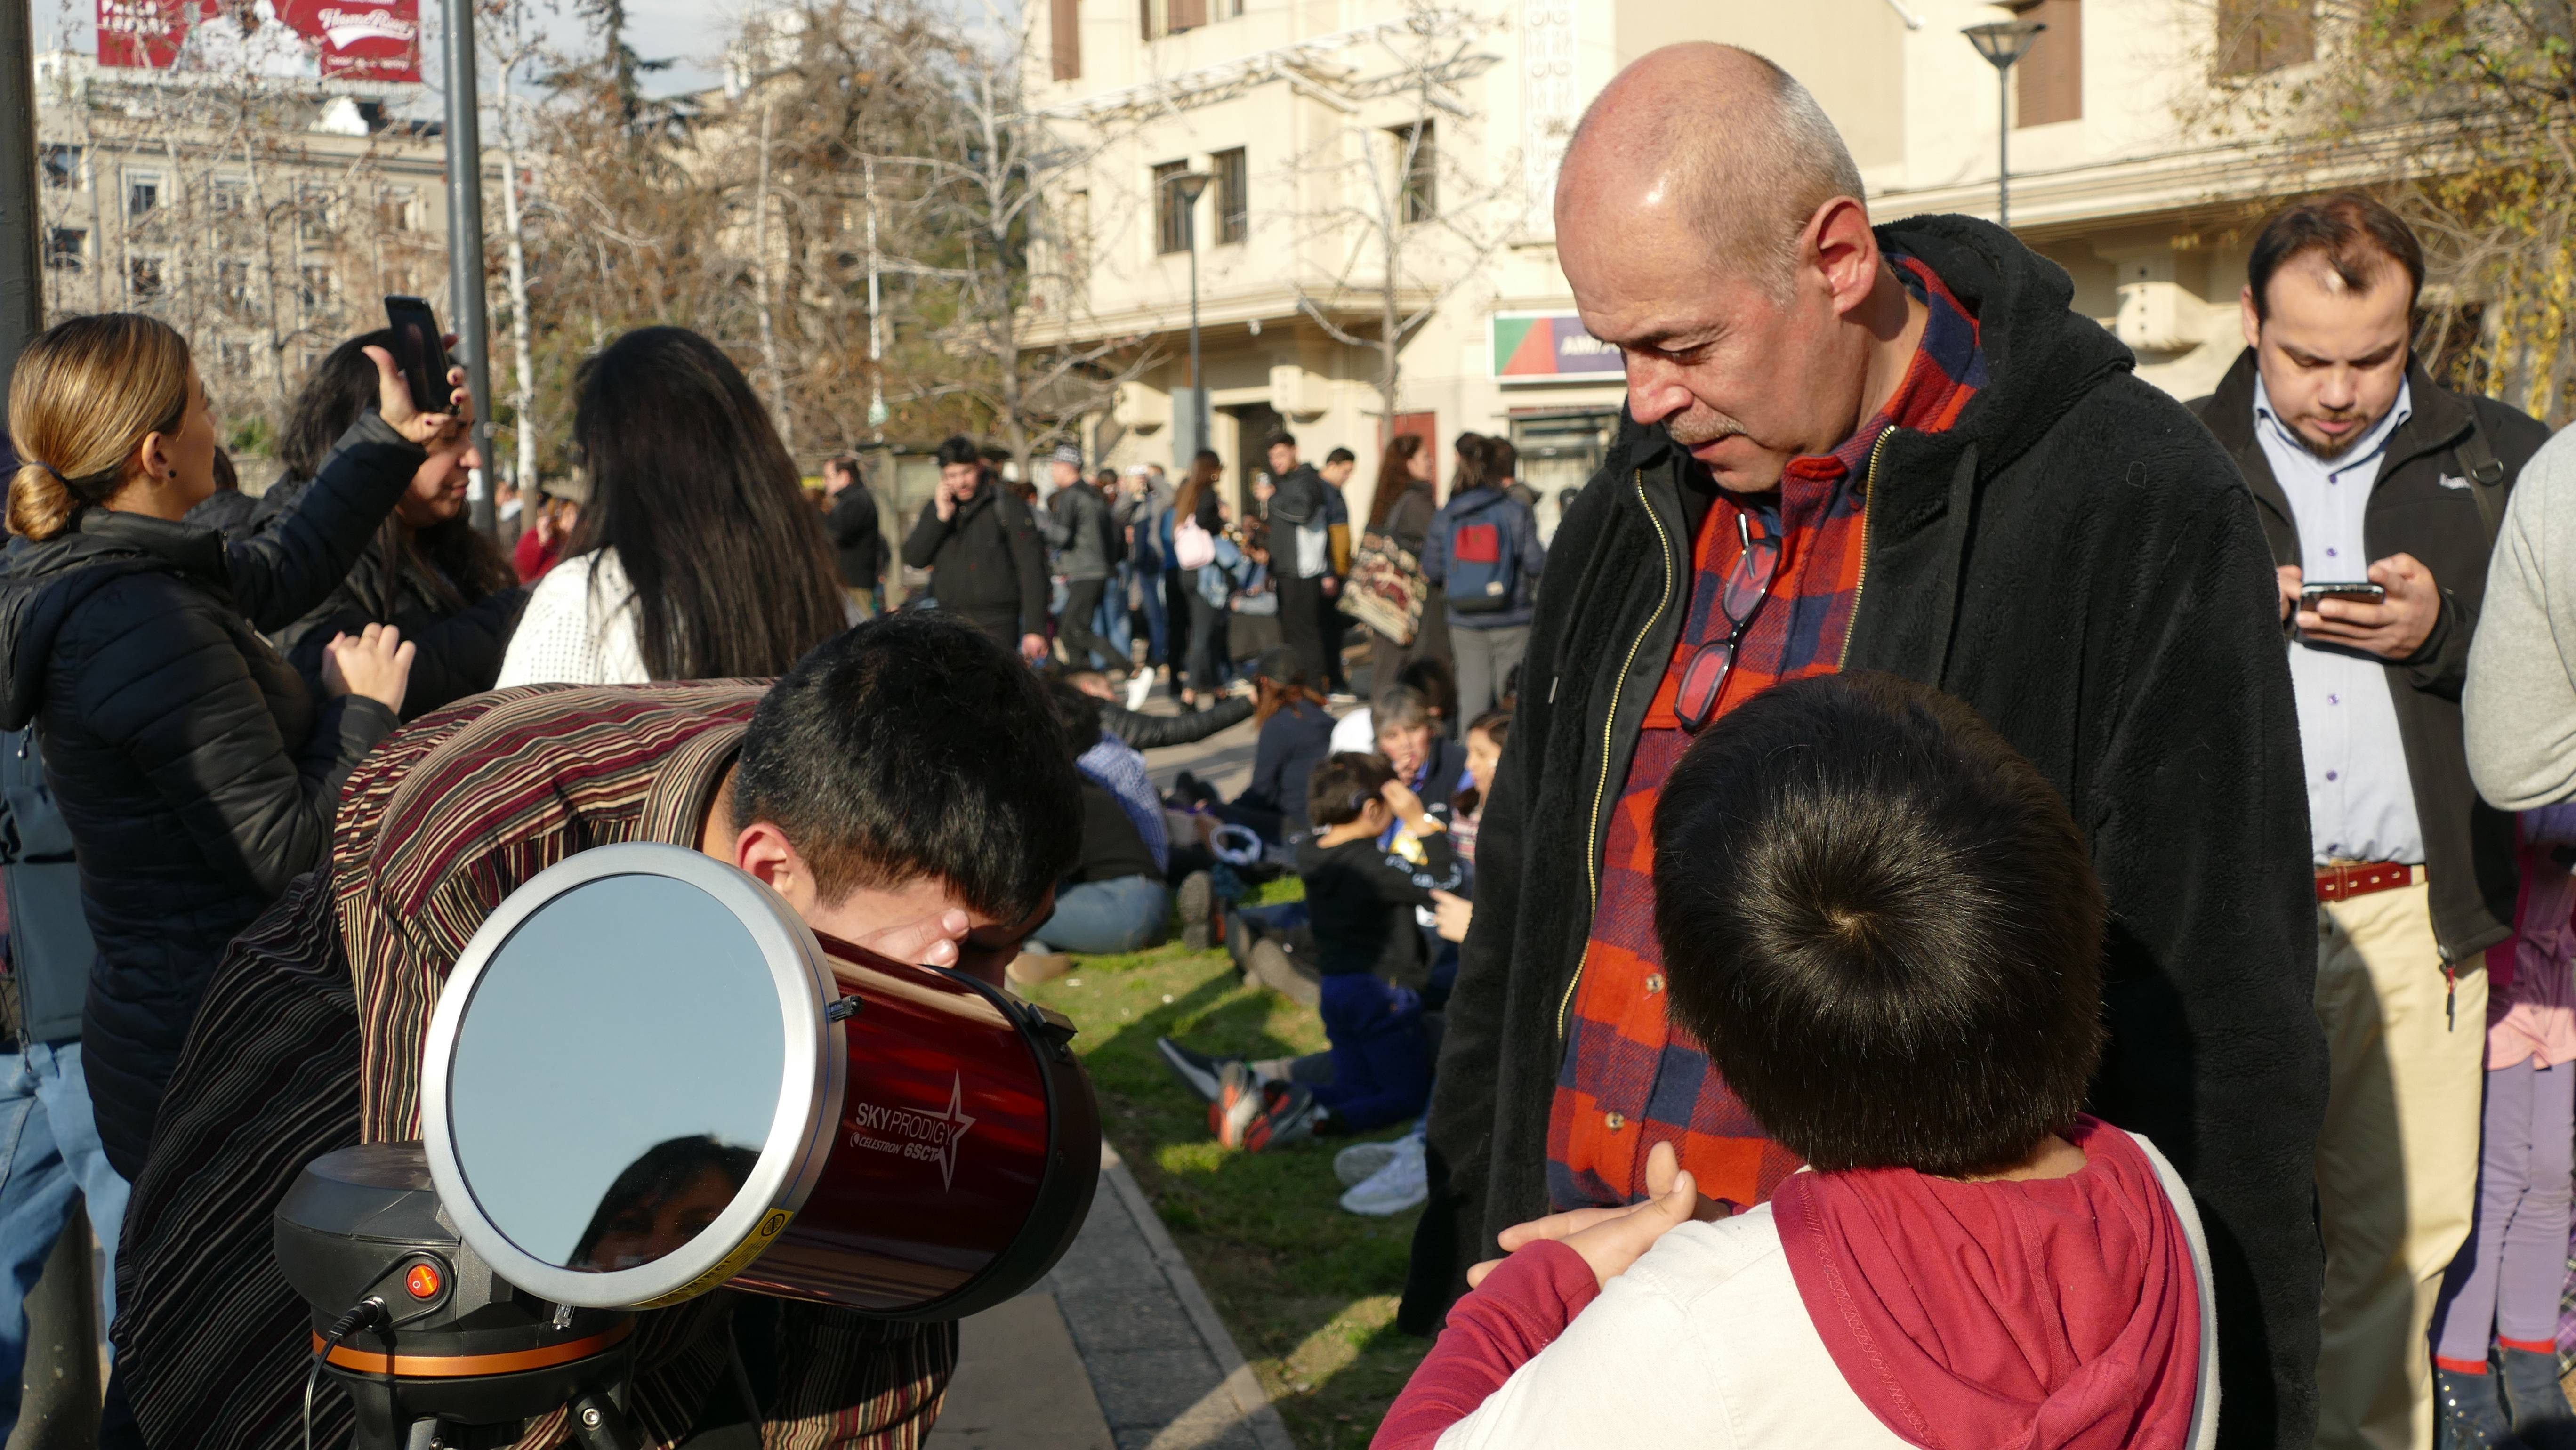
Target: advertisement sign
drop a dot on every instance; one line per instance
(357, 40)
(1550, 347)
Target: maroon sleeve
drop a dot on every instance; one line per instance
(1519, 1310)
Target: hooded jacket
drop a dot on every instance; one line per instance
(2078, 561)
(986, 561)
(197, 772)
(2422, 503)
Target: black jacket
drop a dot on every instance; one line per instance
(197, 772)
(1360, 899)
(856, 540)
(1078, 526)
(2078, 561)
(458, 652)
(987, 562)
(1291, 744)
(2468, 844)
(1152, 732)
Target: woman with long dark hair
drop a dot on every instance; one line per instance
(697, 556)
(197, 771)
(1207, 648)
(1401, 510)
(428, 572)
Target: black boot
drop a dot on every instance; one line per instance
(2540, 1412)
(2468, 1414)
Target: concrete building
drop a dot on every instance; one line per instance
(263, 217)
(1303, 112)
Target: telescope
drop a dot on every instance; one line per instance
(646, 1077)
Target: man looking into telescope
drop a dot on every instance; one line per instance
(903, 789)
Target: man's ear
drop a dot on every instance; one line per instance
(2253, 319)
(764, 852)
(1839, 243)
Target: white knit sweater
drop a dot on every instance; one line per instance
(574, 633)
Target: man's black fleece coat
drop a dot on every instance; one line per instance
(2079, 561)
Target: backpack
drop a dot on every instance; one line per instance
(1484, 564)
(50, 949)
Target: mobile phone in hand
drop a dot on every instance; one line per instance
(2357, 593)
(420, 351)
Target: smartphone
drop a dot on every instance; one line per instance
(2358, 593)
(420, 351)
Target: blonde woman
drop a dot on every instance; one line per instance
(197, 771)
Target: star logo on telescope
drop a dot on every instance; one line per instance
(958, 1123)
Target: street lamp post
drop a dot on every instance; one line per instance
(465, 245)
(2002, 43)
(1187, 188)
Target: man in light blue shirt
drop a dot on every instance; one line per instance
(2379, 490)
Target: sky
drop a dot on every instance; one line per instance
(690, 32)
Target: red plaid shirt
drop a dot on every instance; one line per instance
(1630, 1079)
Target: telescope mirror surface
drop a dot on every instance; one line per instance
(647, 1077)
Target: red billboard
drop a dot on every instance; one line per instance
(359, 40)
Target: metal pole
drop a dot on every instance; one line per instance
(2003, 146)
(465, 239)
(876, 338)
(1198, 385)
(62, 1389)
(22, 279)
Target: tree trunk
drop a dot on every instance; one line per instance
(760, 273)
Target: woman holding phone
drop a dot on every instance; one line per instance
(427, 572)
(197, 771)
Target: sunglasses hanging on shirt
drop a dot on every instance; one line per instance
(1747, 585)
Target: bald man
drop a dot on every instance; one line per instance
(1888, 449)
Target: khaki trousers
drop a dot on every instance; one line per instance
(2397, 1162)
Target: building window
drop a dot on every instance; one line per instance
(66, 248)
(1064, 38)
(1417, 155)
(2048, 85)
(142, 193)
(1171, 17)
(62, 166)
(1171, 215)
(313, 289)
(232, 359)
(232, 284)
(312, 216)
(398, 209)
(2255, 36)
(143, 278)
(229, 196)
(1233, 197)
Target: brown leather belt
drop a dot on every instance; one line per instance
(2360, 878)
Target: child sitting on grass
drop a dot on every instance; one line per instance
(1881, 924)
(1360, 899)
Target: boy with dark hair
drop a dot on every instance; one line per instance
(904, 787)
(1360, 899)
(1881, 923)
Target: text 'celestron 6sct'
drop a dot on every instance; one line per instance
(647, 1077)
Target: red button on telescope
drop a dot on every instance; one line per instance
(423, 1281)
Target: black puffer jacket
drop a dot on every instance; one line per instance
(197, 772)
(460, 649)
(2078, 561)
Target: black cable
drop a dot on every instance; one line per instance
(365, 1314)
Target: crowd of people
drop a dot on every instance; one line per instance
(1955, 899)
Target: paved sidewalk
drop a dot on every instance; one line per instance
(1117, 1349)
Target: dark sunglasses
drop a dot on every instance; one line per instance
(1704, 678)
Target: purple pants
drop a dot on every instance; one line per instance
(2504, 1284)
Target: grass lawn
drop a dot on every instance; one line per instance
(1308, 1291)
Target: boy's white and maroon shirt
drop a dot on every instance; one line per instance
(1705, 1341)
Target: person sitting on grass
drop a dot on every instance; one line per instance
(1114, 900)
(1881, 923)
(1360, 900)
